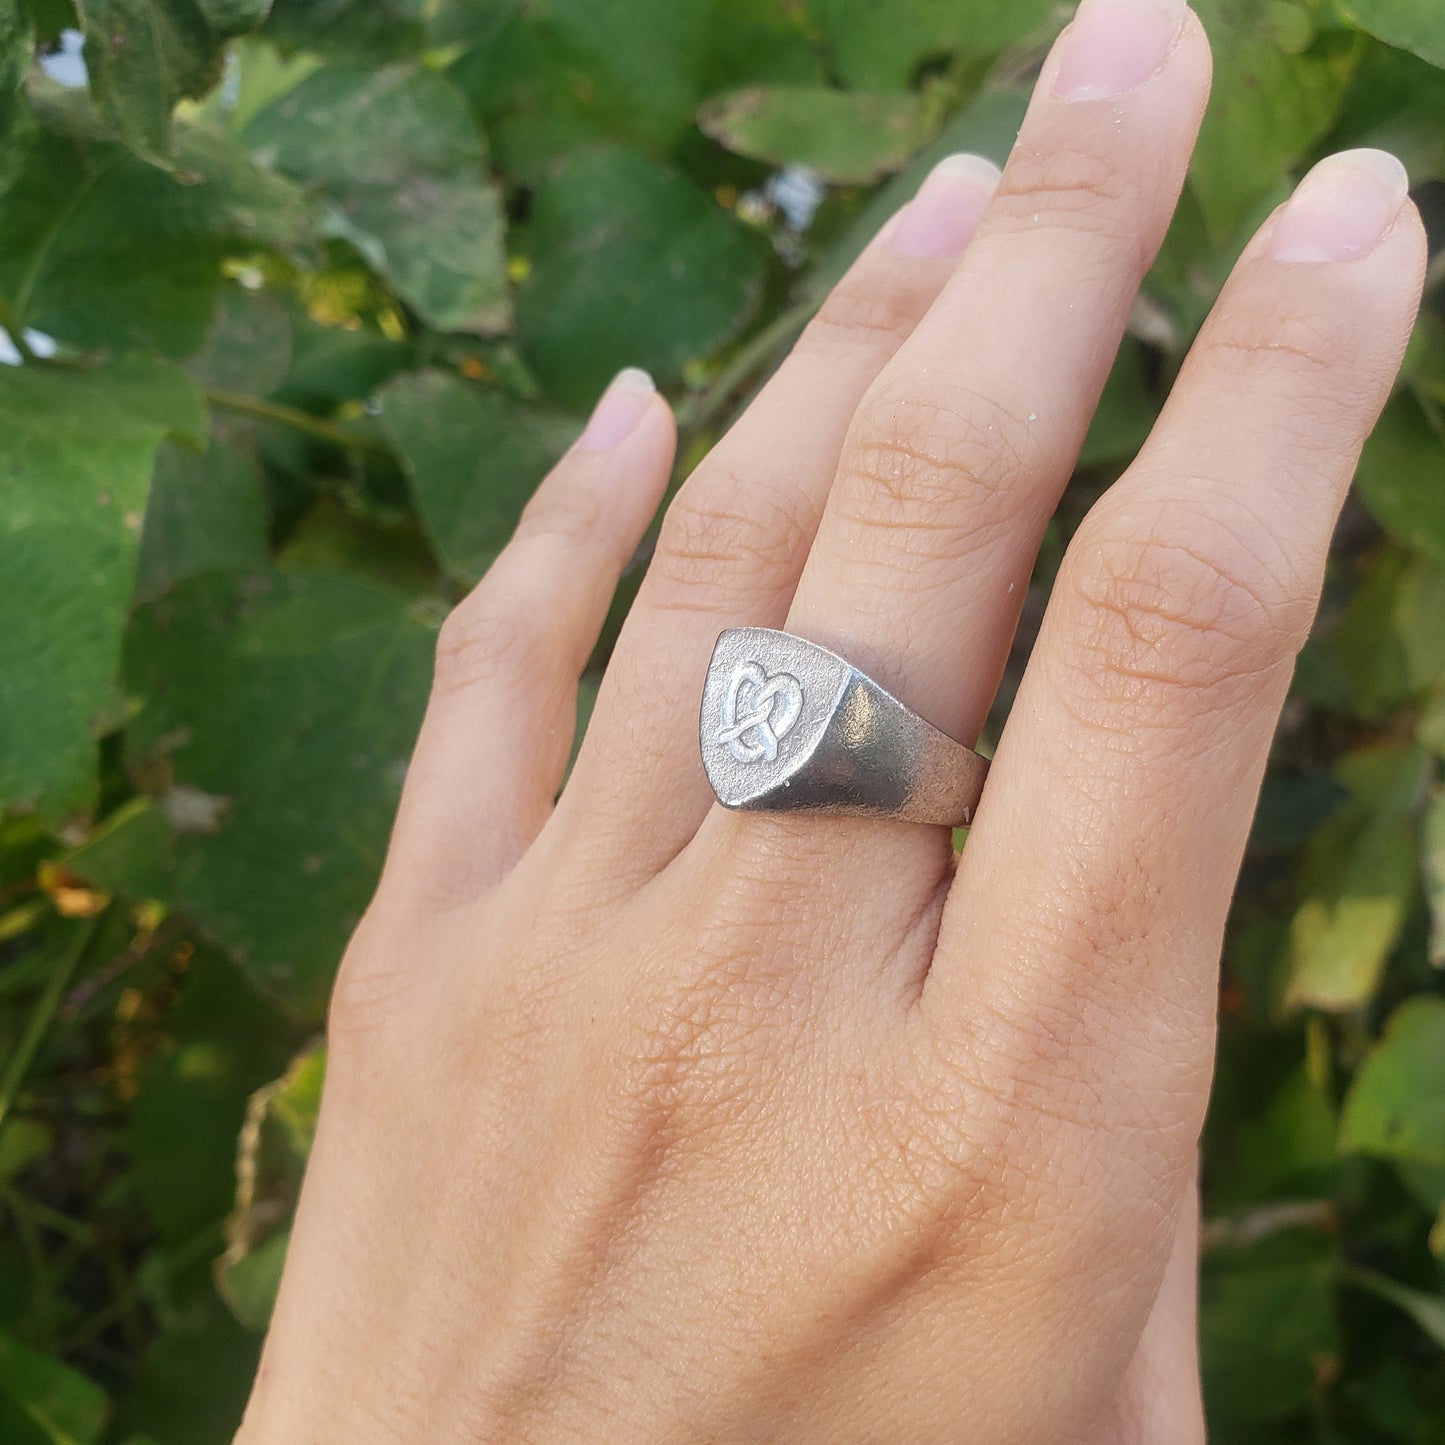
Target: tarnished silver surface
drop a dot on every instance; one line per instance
(789, 725)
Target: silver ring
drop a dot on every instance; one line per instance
(789, 726)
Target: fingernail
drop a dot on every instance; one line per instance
(1341, 209)
(942, 216)
(616, 415)
(1114, 46)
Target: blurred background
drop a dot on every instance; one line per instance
(299, 301)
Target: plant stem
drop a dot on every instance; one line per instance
(43, 1013)
(258, 409)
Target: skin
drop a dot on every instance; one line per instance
(648, 1121)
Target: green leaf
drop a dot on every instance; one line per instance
(142, 56)
(1395, 103)
(648, 59)
(1126, 412)
(278, 713)
(192, 1386)
(847, 137)
(235, 17)
(17, 44)
(1269, 106)
(1400, 474)
(249, 348)
(634, 265)
(206, 510)
(1416, 25)
(1360, 876)
(473, 457)
(988, 127)
(1284, 1151)
(1396, 1106)
(129, 853)
(1267, 1328)
(43, 1402)
(877, 46)
(75, 468)
(1432, 858)
(1427, 1310)
(402, 169)
(191, 1103)
(101, 250)
(551, 78)
(22, 1142)
(1389, 646)
(351, 28)
(757, 41)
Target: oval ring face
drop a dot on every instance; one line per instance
(759, 710)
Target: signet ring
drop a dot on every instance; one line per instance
(788, 726)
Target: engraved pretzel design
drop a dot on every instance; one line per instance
(758, 712)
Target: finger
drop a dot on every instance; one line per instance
(960, 450)
(958, 454)
(1159, 1402)
(500, 722)
(1129, 767)
(735, 538)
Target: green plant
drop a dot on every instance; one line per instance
(306, 296)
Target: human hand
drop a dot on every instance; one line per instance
(649, 1121)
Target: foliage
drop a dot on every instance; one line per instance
(307, 296)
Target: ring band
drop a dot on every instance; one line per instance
(788, 726)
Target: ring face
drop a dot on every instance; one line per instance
(766, 704)
(787, 725)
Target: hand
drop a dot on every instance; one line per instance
(648, 1121)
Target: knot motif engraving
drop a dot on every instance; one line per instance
(758, 712)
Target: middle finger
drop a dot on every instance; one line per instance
(958, 452)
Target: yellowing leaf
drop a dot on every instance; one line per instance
(1396, 1105)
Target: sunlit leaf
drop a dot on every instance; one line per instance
(882, 46)
(1417, 25)
(402, 171)
(848, 137)
(75, 469)
(1361, 875)
(1396, 1106)
(1269, 106)
(102, 250)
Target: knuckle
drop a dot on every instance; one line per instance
(571, 516)
(866, 308)
(1153, 606)
(726, 537)
(486, 639)
(374, 990)
(927, 455)
(1273, 330)
(1066, 188)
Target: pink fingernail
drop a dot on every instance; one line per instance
(616, 415)
(1114, 46)
(1341, 210)
(942, 216)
